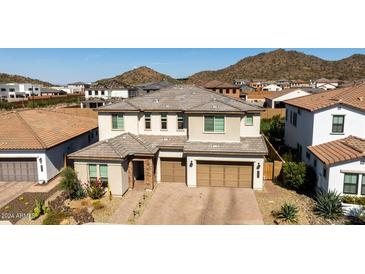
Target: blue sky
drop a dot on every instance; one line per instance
(60, 66)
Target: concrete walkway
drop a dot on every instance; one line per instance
(128, 204)
(174, 203)
(10, 190)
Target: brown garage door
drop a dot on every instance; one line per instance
(22, 169)
(173, 170)
(227, 174)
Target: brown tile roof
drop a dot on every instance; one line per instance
(129, 144)
(349, 148)
(181, 98)
(40, 129)
(258, 94)
(351, 96)
(219, 84)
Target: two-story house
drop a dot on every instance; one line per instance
(11, 91)
(182, 134)
(223, 88)
(316, 125)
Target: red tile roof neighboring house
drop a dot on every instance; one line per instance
(351, 96)
(219, 84)
(40, 128)
(349, 148)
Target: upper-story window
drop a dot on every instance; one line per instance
(147, 121)
(295, 117)
(11, 89)
(90, 92)
(30, 89)
(96, 92)
(214, 123)
(163, 120)
(180, 121)
(102, 92)
(338, 122)
(249, 120)
(3, 89)
(118, 121)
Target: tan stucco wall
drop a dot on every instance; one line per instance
(231, 128)
(250, 131)
(117, 175)
(105, 125)
(156, 125)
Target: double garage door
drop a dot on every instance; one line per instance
(209, 173)
(20, 170)
(227, 174)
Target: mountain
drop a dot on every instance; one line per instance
(136, 76)
(282, 64)
(9, 78)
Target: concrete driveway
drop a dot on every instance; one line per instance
(175, 204)
(10, 190)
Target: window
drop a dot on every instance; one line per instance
(315, 163)
(92, 173)
(350, 183)
(102, 92)
(234, 91)
(96, 92)
(308, 155)
(147, 121)
(363, 185)
(249, 120)
(36, 88)
(11, 89)
(291, 117)
(227, 91)
(295, 115)
(220, 91)
(338, 123)
(299, 111)
(163, 120)
(103, 174)
(180, 121)
(30, 89)
(324, 172)
(286, 114)
(299, 152)
(117, 121)
(90, 92)
(214, 124)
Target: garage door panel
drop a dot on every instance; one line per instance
(173, 170)
(18, 169)
(228, 174)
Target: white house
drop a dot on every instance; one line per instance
(19, 90)
(326, 84)
(323, 117)
(34, 143)
(100, 92)
(77, 87)
(340, 165)
(272, 87)
(276, 99)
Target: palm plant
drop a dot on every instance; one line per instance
(328, 205)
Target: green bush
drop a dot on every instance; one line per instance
(288, 213)
(54, 218)
(40, 209)
(95, 190)
(71, 184)
(353, 200)
(328, 205)
(294, 175)
(273, 128)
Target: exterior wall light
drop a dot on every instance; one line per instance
(258, 166)
(191, 164)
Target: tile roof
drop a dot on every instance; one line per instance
(128, 144)
(351, 96)
(219, 84)
(180, 98)
(349, 148)
(258, 94)
(40, 128)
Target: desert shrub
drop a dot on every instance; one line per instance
(98, 205)
(328, 204)
(54, 217)
(348, 199)
(71, 184)
(83, 216)
(294, 175)
(40, 209)
(95, 190)
(287, 213)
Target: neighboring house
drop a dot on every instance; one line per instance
(19, 90)
(326, 86)
(241, 82)
(256, 97)
(151, 87)
(326, 83)
(299, 84)
(223, 88)
(324, 117)
(34, 143)
(283, 83)
(106, 93)
(257, 84)
(50, 91)
(182, 134)
(276, 100)
(340, 165)
(272, 87)
(77, 87)
(63, 88)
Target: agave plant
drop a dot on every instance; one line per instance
(328, 205)
(288, 213)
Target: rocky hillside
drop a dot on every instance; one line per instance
(136, 76)
(8, 78)
(282, 64)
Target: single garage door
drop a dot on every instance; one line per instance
(173, 170)
(22, 169)
(227, 174)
